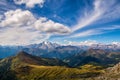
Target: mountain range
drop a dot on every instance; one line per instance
(94, 56)
(106, 55)
(25, 66)
(54, 50)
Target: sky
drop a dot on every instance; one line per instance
(24, 22)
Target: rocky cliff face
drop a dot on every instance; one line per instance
(112, 73)
(116, 69)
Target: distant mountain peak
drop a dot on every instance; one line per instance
(48, 45)
(23, 58)
(46, 42)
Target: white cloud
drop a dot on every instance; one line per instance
(17, 18)
(20, 27)
(86, 33)
(48, 26)
(112, 27)
(116, 43)
(102, 12)
(30, 3)
(91, 17)
(16, 29)
(21, 36)
(88, 43)
(24, 21)
(82, 43)
(95, 31)
(6, 6)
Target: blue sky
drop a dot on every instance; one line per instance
(25, 22)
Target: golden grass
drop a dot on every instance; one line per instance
(56, 73)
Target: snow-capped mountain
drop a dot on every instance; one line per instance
(106, 46)
(96, 45)
(46, 45)
(56, 50)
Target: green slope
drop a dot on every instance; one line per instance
(27, 67)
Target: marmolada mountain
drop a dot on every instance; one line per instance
(59, 40)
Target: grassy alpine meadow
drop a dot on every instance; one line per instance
(35, 72)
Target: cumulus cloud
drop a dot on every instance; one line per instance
(21, 36)
(30, 3)
(20, 18)
(20, 27)
(82, 43)
(48, 26)
(17, 18)
(16, 29)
